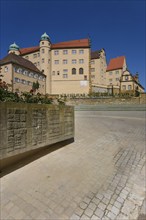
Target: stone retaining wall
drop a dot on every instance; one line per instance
(108, 100)
(143, 98)
(24, 127)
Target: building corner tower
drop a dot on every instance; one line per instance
(45, 60)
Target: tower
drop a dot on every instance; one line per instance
(45, 60)
(14, 48)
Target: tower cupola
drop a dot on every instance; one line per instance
(45, 37)
(14, 48)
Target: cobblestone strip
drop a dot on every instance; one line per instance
(120, 197)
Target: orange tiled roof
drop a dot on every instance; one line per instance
(28, 50)
(116, 63)
(71, 44)
(68, 44)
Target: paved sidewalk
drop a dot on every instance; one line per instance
(99, 176)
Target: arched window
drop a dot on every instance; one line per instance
(74, 71)
(81, 71)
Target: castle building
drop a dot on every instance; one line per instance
(19, 73)
(63, 68)
(119, 79)
(65, 64)
(98, 71)
(115, 70)
(130, 83)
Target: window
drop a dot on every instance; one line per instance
(81, 51)
(65, 51)
(25, 72)
(126, 78)
(129, 87)
(42, 43)
(123, 87)
(19, 70)
(93, 76)
(6, 69)
(43, 50)
(23, 81)
(38, 54)
(117, 79)
(17, 80)
(73, 71)
(58, 73)
(65, 75)
(92, 69)
(74, 51)
(65, 70)
(27, 57)
(15, 69)
(36, 76)
(35, 64)
(81, 61)
(64, 61)
(31, 74)
(43, 60)
(81, 71)
(110, 80)
(56, 61)
(38, 63)
(40, 77)
(34, 55)
(48, 60)
(74, 61)
(92, 61)
(117, 72)
(53, 73)
(85, 77)
(56, 52)
(110, 73)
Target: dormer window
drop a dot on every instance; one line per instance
(126, 77)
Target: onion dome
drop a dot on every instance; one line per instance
(14, 47)
(45, 37)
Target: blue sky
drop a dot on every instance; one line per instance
(117, 26)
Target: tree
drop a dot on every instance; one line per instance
(35, 86)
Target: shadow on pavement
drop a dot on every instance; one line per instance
(11, 164)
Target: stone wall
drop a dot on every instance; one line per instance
(105, 100)
(24, 127)
(143, 98)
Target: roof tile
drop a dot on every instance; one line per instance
(13, 58)
(116, 63)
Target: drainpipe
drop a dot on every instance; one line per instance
(90, 84)
(12, 78)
